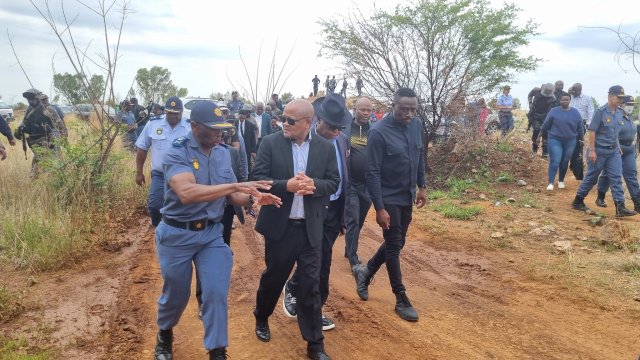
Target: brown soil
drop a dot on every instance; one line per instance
(479, 297)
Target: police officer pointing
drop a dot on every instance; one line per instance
(604, 153)
(199, 181)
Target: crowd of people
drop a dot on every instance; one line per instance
(315, 169)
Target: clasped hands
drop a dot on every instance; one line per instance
(301, 184)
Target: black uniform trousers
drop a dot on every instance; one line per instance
(280, 256)
(389, 252)
(331, 229)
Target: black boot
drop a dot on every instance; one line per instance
(363, 278)
(218, 354)
(164, 350)
(600, 200)
(404, 309)
(622, 211)
(636, 204)
(578, 204)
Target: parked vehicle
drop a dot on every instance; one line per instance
(85, 110)
(6, 111)
(188, 104)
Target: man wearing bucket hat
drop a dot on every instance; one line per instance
(603, 153)
(157, 136)
(505, 105)
(199, 182)
(333, 116)
(626, 138)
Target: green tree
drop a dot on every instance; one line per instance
(516, 103)
(155, 84)
(286, 97)
(70, 86)
(439, 48)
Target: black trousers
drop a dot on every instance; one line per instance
(280, 256)
(357, 206)
(331, 230)
(394, 239)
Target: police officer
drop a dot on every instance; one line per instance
(627, 137)
(40, 128)
(603, 153)
(199, 181)
(157, 136)
(505, 105)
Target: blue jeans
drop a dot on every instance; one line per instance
(629, 173)
(156, 197)
(610, 162)
(560, 152)
(506, 121)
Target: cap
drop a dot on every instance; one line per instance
(173, 105)
(333, 110)
(31, 93)
(629, 100)
(506, 87)
(42, 96)
(208, 114)
(616, 90)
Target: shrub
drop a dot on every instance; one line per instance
(452, 211)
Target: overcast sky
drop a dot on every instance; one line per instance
(199, 42)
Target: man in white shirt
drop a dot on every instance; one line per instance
(583, 103)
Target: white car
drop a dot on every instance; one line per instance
(6, 111)
(188, 104)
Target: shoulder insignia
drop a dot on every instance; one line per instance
(195, 163)
(179, 142)
(159, 131)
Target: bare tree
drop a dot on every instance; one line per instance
(257, 88)
(628, 47)
(105, 130)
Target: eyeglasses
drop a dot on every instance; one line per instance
(289, 120)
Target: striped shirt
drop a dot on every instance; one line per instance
(584, 105)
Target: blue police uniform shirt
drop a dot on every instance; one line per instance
(606, 125)
(185, 156)
(505, 100)
(158, 135)
(627, 134)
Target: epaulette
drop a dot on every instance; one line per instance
(156, 118)
(179, 142)
(225, 145)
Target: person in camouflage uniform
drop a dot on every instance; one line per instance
(40, 128)
(55, 115)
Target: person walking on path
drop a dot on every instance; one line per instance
(505, 105)
(564, 128)
(604, 154)
(627, 139)
(395, 167)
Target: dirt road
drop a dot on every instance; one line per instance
(474, 301)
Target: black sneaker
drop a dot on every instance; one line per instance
(404, 309)
(288, 302)
(327, 324)
(164, 345)
(218, 354)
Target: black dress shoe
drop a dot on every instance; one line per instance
(164, 345)
(319, 355)
(262, 331)
(218, 354)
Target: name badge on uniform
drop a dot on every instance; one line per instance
(159, 131)
(195, 163)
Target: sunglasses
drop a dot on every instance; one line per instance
(289, 120)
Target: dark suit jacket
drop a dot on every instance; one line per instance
(275, 162)
(343, 149)
(249, 136)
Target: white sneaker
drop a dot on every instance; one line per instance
(550, 187)
(561, 185)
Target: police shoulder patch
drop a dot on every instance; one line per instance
(179, 142)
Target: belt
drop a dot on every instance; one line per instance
(610, 147)
(297, 222)
(195, 225)
(626, 143)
